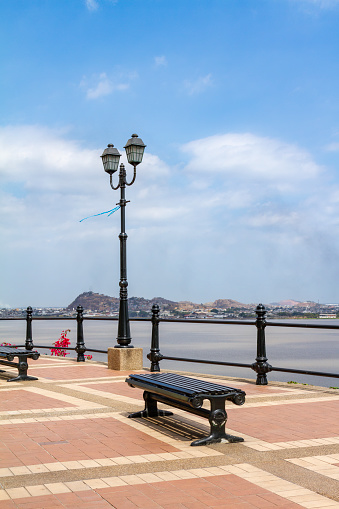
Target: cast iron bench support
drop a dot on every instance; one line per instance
(7, 355)
(188, 394)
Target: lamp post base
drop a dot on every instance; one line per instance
(125, 359)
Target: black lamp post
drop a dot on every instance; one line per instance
(110, 158)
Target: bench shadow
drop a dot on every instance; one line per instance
(177, 427)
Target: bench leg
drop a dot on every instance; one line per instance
(151, 408)
(22, 375)
(217, 419)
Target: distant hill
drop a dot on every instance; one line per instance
(295, 303)
(229, 303)
(91, 301)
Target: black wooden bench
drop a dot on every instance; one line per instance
(188, 394)
(7, 355)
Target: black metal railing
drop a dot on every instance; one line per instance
(260, 366)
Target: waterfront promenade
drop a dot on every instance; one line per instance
(66, 442)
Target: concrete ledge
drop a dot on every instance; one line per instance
(124, 359)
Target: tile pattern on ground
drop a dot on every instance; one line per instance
(79, 446)
(297, 421)
(327, 465)
(241, 486)
(23, 399)
(74, 440)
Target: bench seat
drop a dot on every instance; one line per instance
(7, 355)
(188, 394)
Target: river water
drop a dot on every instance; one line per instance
(312, 349)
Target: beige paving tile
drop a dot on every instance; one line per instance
(106, 462)
(95, 483)
(5, 472)
(37, 469)
(131, 479)
(20, 470)
(38, 490)
(121, 460)
(150, 478)
(77, 486)
(18, 493)
(4, 495)
(89, 463)
(183, 474)
(138, 459)
(72, 465)
(114, 481)
(57, 487)
(168, 476)
(55, 467)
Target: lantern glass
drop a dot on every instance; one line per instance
(110, 159)
(135, 150)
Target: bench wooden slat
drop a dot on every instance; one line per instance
(186, 385)
(200, 384)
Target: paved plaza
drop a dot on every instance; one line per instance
(66, 442)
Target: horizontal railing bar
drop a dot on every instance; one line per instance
(287, 370)
(305, 372)
(302, 325)
(95, 350)
(52, 347)
(200, 361)
(66, 348)
(205, 320)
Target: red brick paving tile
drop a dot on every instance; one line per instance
(214, 490)
(67, 498)
(89, 495)
(106, 438)
(258, 501)
(102, 504)
(44, 502)
(196, 505)
(148, 489)
(8, 504)
(276, 499)
(174, 506)
(142, 501)
(287, 422)
(236, 505)
(25, 400)
(120, 502)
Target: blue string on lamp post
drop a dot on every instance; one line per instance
(110, 158)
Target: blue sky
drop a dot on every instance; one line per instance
(237, 102)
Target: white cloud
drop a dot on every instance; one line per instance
(177, 230)
(321, 4)
(160, 61)
(251, 156)
(332, 147)
(92, 5)
(101, 85)
(199, 85)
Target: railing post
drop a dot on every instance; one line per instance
(155, 356)
(261, 365)
(29, 339)
(80, 348)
